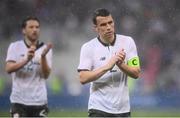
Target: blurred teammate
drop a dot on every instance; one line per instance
(106, 61)
(29, 63)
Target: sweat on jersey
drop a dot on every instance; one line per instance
(28, 84)
(110, 92)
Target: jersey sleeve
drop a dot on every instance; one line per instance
(11, 53)
(132, 55)
(85, 58)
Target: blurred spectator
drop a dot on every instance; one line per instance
(154, 24)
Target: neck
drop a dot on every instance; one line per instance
(29, 42)
(108, 40)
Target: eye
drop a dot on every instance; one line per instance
(103, 24)
(110, 22)
(31, 27)
(37, 27)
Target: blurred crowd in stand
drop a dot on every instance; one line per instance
(154, 24)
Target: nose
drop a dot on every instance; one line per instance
(35, 29)
(108, 26)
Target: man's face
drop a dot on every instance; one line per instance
(32, 30)
(105, 27)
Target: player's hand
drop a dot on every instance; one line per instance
(121, 56)
(111, 63)
(46, 50)
(31, 52)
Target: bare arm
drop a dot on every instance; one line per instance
(89, 76)
(12, 66)
(131, 71)
(45, 68)
(44, 65)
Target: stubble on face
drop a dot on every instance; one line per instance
(32, 31)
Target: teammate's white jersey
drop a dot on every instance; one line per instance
(28, 86)
(110, 92)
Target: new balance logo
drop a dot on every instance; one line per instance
(113, 71)
(102, 58)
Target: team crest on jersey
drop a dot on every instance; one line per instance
(102, 58)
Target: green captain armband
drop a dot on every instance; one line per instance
(134, 62)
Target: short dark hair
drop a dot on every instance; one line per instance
(100, 12)
(24, 22)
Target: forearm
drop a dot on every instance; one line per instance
(89, 76)
(131, 71)
(15, 66)
(45, 69)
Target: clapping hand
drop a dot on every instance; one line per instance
(46, 50)
(31, 52)
(121, 56)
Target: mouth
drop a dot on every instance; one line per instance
(34, 36)
(109, 33)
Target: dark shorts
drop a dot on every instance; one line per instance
(92, 113)
(21, 110)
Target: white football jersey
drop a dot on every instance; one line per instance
(28, 84)
(110, 92)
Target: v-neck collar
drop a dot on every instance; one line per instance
(38, 45)
(106, 44)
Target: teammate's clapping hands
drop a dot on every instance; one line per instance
(31, 52)
(46, 50)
